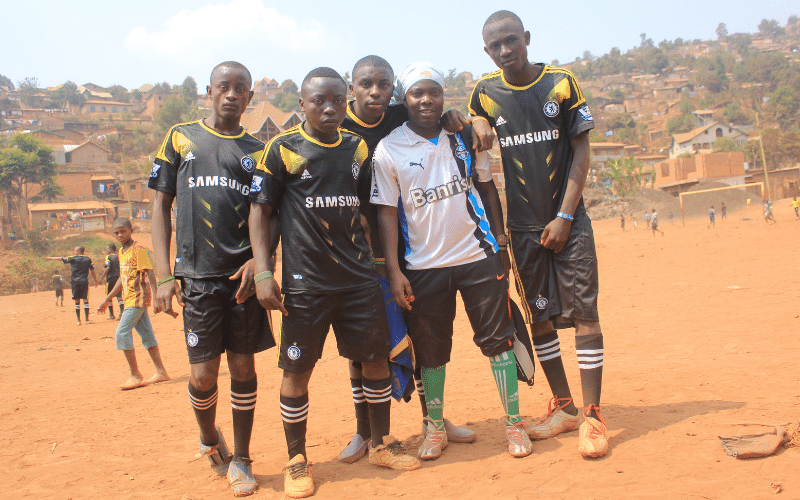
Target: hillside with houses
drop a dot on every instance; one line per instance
(669, 115)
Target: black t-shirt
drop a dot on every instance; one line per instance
(210, 175)
(112, 263)
(314, 186)
(534, 126)
(394, 116)
(80, 266)
(57, 282)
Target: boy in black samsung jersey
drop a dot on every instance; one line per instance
(111, 276)
(310, 174)
(80, 266)
(207, 167)
(371, 116)
(542, 123)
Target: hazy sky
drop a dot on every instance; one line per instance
(149, 41)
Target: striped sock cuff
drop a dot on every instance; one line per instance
(244, 394)
(547, 346)
(294, 410)
(590, 351)
(202, 400)
(86, 305)
(378, 391)
(358, 391)
(420, 387)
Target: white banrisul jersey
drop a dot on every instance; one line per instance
(441, 215)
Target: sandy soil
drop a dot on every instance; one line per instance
(701, 334)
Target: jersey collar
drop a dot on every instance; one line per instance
(311, 139)
(414, 138)
(526, 87)
(211, 130)
(359, 121)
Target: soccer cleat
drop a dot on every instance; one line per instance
(297, 480)
(519, 445)
(556, 421)
(240, 476)
(391, 455)
(435, 442)
(355, 450)
(592, 440)
(455, 434)
(218, 455)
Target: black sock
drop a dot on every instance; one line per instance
(379, 398)
(420, 391)
(111, 308)
(205, 411)
(121, 306)
(86, 310)
(590, 361)
(78, 312)
(243, 404)
(548, 350)
(294, 412)
(362, 409)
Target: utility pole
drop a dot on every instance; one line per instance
(763, 160)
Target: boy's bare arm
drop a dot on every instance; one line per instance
(94, 275)
(113, 293)
(162, 233)
(497, 225)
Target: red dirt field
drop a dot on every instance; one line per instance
(700, 334)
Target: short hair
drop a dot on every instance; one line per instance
(322, 72)
(80, 249)
(112, 247)
(122, 221)
(502, 15)
(231, 64)
(372, 61)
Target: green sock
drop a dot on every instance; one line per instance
(433, 382)
(504, 368)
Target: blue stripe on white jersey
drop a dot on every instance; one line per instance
(484, 231)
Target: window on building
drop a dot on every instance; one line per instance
(132, 187)
(91, 108)
(114, 109)
(719, 132)
(103, 109)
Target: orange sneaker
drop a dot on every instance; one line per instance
(592, 442)
(556, 421)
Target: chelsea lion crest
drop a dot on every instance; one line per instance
(551, 108)
(356, 168)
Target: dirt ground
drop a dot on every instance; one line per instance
(700, 335)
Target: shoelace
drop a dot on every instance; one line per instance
(298, 470)
(515, 435)
(395, 448)
(553, 407)
(594, 431)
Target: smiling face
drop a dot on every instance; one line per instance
(425, 102)
(506, 43)
(324, 102)
(229, 92)
(372, 90)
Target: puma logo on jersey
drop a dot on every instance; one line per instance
(530, 137)
(500, 121)
(305, 175)
(412, 163)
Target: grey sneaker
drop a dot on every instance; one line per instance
(219, 456)
(240, 476)
(355, 450)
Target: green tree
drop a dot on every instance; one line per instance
(616, 96)
(67, 93)
(741, 43)
(346, 78)
(28, 89)
(286, 101)
(26, 161)
(289, 86)
(6, 82)
(119, 93)
(171, 113)
(722, 31)
(735, 114)
(627, 175)
(771, 28)
(726, 145)
(189, 91)
(784, 104)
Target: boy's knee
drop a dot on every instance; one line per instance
(541, 328)
(242, 367)
(204, 375)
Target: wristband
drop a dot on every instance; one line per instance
(166, 280)
(565, 216)
(263, 276)
(380, 261)
(502, 247)
(480, 118)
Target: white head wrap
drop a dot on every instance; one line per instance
(416, 72)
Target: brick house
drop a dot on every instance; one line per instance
(679, 174)
(703, 138)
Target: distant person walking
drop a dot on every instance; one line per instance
(654, 223)
(768, 212)
(622, 221)
(711, 214)
(669, 217)
(647, 218)
(723, 211)
(796, 205)
(633, 219)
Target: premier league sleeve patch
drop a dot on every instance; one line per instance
(257, 184)
(585, 113)
(154, 171)
(248, 164)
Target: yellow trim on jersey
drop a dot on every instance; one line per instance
(262, 164)
(526, 308)
(318, 143)
(526, 87)
(362, 152)
(292, 162)
(493, 74)
(240, 134)
(361, 122)
(162, 151)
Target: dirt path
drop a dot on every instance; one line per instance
(701, 333)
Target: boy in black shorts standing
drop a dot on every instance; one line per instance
(58, 286)
(542, 122)
(111, 275)
(449, 248)
(371, 116)
(80, 265)
(207, 168)
(310, 174)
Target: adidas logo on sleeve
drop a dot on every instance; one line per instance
(500, 121)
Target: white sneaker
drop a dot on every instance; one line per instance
(556, 421)
(455, 434)
(435, 442)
